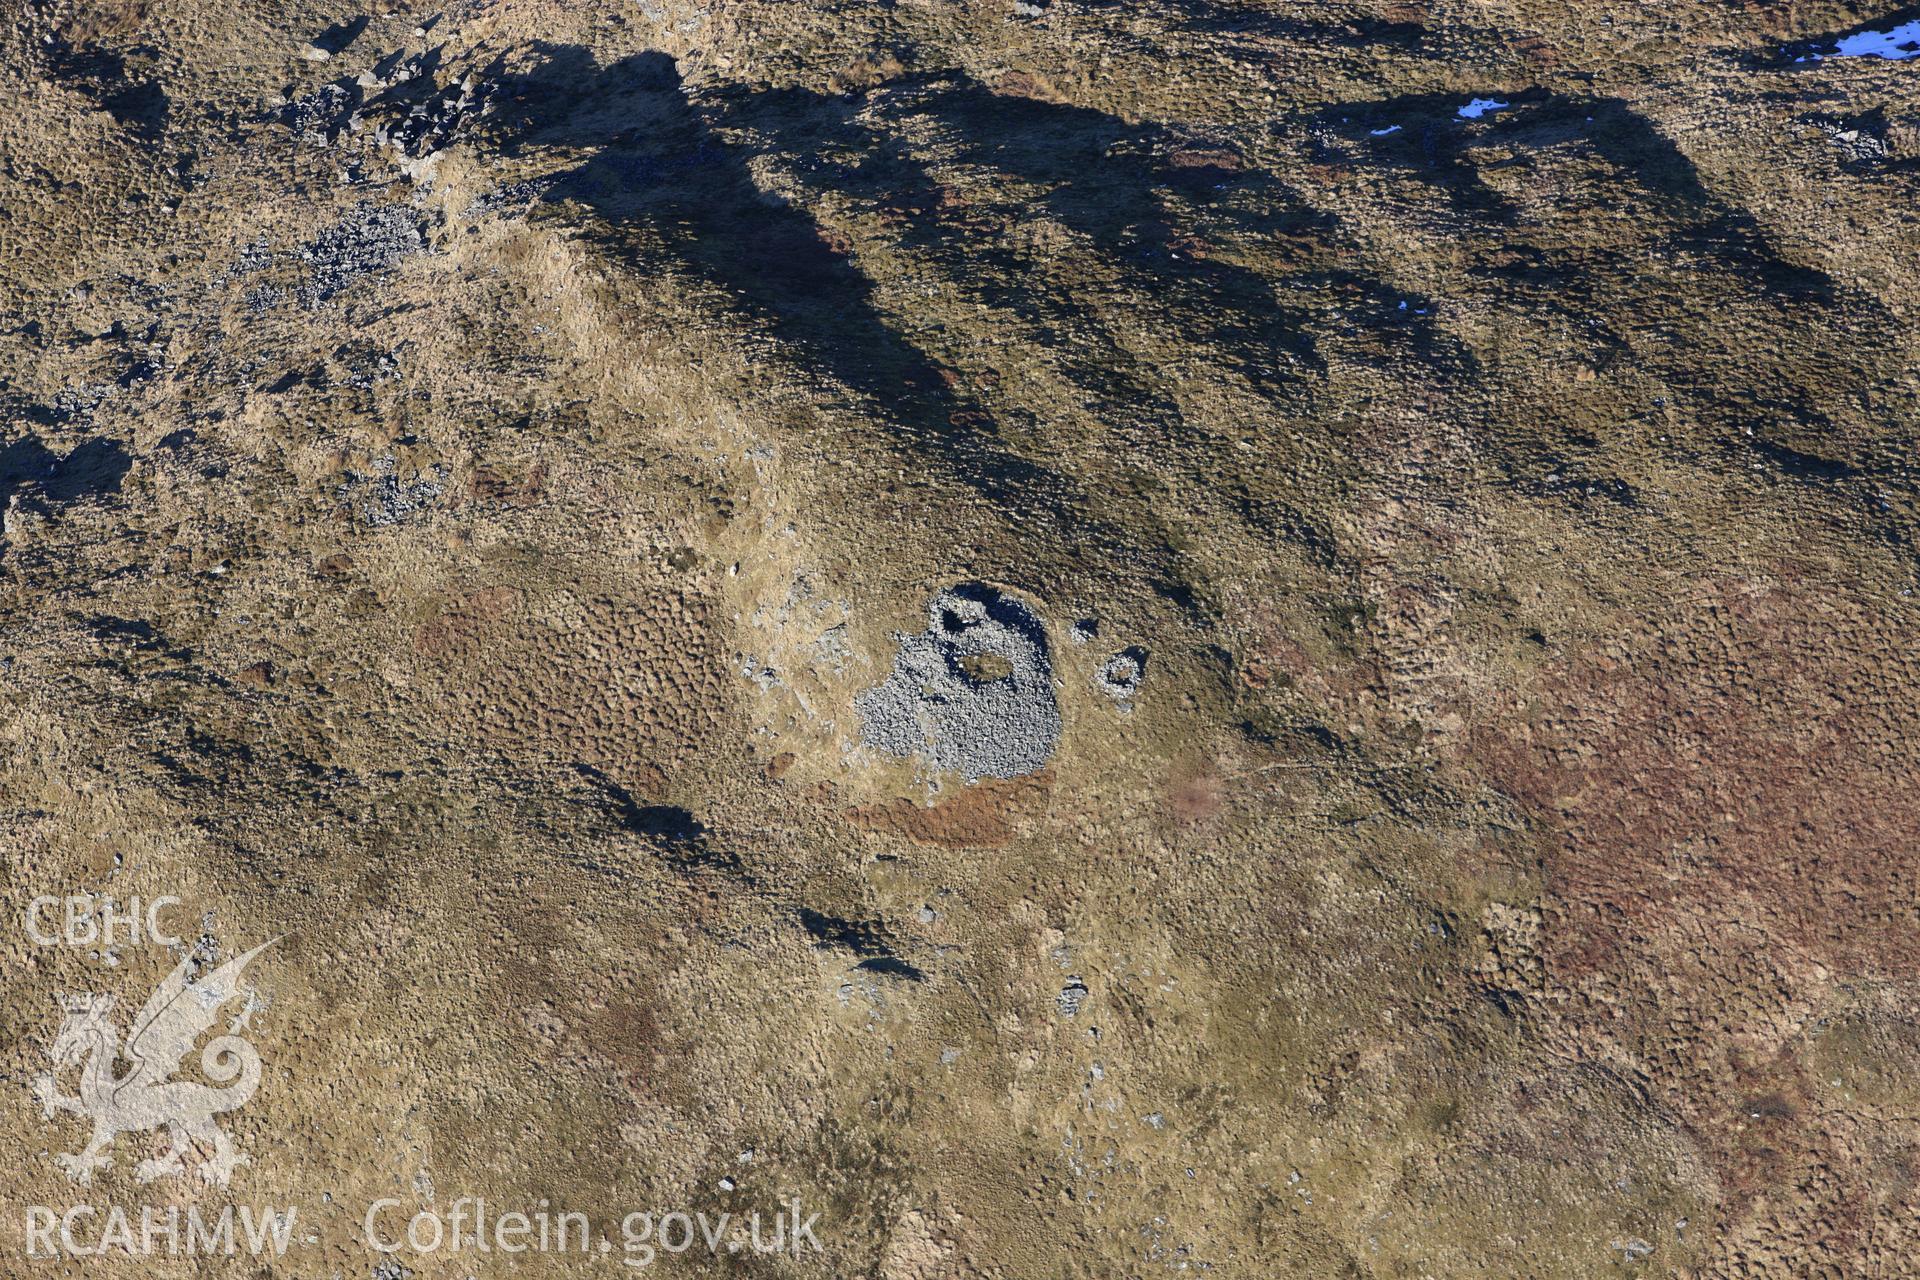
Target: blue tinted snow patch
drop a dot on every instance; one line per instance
(1481, 106)
(1897, 45)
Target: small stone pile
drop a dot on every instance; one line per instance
(382, 498)
(371, 239)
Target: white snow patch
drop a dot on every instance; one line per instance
(1897, 45)
(1481, 106)
(1381, 133)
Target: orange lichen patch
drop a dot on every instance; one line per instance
(258, 674)
(1712, 790)
(626, 1034)
(627, 684)
(983, 816)
(1028, 84)
(494, 484)
(1205, 158)
(1538, 51)
(457, 628)
(868, 71)
(1348, 684)
(1730, 755)
(1194, 798)
(103, 20)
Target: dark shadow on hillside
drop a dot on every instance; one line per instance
(676, 837)
(1111, 182)
(662, 178)
(94, 468)
(1155, 203)
(671, 176)
(335, 39)
(137, 104)
(1433, 145)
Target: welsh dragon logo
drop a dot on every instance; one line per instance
(147, 1097)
